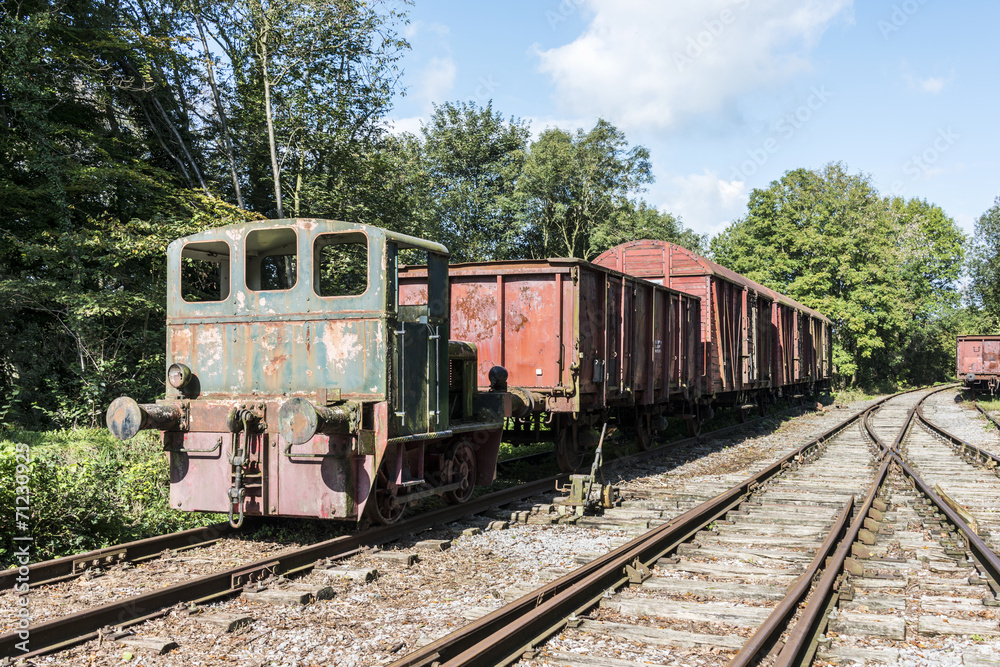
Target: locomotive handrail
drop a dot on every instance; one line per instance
(185, 450)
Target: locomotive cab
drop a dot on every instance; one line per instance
(300, 383)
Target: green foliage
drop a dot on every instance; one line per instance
(884, 270)
(576, 190)
(466, 166)
(82, 317)
(984, 264)
(86, 491)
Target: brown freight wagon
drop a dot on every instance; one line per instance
(978, 362)
(588, 344)
(757, 343)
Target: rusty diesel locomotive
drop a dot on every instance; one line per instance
(300, 384)
(978, 363)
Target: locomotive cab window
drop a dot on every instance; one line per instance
(204, 271)
(272, 259)
(340, 264)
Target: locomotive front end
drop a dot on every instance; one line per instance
(296, 385)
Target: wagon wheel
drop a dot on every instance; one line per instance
(741, 414)
(573, 444)
(383, 506)
(643, 430)
(460, 467)
(693, 421)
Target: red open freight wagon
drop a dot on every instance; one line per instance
(588, 343)
(757, 342)
(978, 362)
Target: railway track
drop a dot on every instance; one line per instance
(901, 566)
(121, 616)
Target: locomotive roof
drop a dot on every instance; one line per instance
(315, 226)
(709, 267)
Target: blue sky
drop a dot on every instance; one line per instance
(728, 95)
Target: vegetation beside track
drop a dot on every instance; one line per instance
(86, 491)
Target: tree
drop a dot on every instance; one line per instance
(984, 262)
(884, 270)
(575, 188)
(310, 84)
(642, 221)
(466, 163)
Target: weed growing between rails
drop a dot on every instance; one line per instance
(88, 491)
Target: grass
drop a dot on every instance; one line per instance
(84, 490)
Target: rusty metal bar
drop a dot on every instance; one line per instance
(987, 415)
(767, 634)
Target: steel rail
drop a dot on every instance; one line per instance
(44, 572)
(987, 415)
(772, 627)
(502, 636)
(800, 636)
(990, 459)
(84, 625)
(800, 643)
(986, 557)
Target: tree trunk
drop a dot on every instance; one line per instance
(226, 141)
(265, 34)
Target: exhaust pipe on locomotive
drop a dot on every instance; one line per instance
(126, 417)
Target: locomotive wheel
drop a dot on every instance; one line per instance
(383, 505)
(574, 442)
(460, 467)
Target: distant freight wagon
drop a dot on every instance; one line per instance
(978, 362)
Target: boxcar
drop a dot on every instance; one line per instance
(978, 362)
(757, 343)
(588, 343)
(300, 384)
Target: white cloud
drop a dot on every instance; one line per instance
(437, 79)
(422, 27)
(654, 64)
(401, 125)
(705, 202)
(929, 84)
(932, 84)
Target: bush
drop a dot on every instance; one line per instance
(87, 491)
